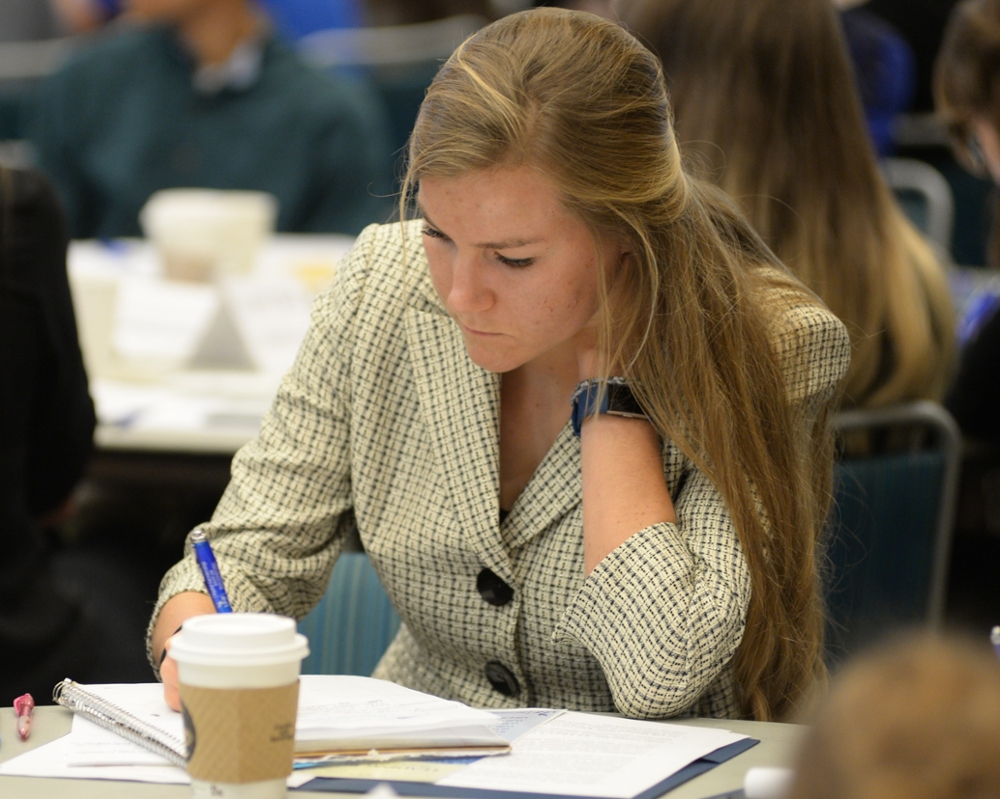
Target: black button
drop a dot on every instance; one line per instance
(502, 678)
(493, 589)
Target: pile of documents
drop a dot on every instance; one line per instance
(352, 731)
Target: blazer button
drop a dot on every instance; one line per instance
(493, 589)
(502, 679)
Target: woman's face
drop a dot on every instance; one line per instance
(516, 270)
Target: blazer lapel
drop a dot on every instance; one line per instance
(460, 403)
(555, 489)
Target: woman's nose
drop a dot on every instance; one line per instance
(469, 291)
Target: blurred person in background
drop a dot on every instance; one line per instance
(201, 94)
(84, 16)
(918, 719)
(765, 105)
(922, 24)
(56, 615)
(408, 12)
(24, 20)
(884, 70)
(967, 91)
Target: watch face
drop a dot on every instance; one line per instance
(621, 401)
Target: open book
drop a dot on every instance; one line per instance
(340, 715)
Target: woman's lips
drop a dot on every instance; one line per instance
(473, 332)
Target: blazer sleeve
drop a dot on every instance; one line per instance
(281, 522)
(665, 612)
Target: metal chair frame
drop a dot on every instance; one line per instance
(935, 418)
(909, 174)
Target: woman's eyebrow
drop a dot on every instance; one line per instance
(486, 245)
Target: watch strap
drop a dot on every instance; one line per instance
(613, 397)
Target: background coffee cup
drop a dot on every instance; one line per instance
(204, 234)
(239, 694)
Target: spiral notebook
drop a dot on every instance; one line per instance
(340, 717)
(108, 715)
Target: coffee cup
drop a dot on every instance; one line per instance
(239, 686)
(205, 234)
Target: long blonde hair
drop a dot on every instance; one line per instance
(764, 98)
(580, 99)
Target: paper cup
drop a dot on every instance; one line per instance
(205, 234)
(239, 684)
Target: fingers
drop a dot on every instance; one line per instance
(171, 684)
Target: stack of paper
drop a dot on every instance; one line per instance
(551, 752)
(358, 714)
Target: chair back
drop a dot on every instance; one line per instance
(925, 197)
(890, 528)
(354, 622)
(400, 61)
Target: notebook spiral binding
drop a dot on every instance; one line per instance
(106, 714)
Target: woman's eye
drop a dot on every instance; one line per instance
(515, 261)
(434, 234)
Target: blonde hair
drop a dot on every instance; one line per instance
(581, 100)
(919, 719)
(764, 97)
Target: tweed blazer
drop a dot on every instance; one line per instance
(384, 422)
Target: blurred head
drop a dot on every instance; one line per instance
(569, 107)
(175, 12)
(764, 98)
(967, 84)
(919, 719)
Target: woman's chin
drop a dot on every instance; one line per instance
(491, 360)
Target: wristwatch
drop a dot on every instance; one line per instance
(615, 400)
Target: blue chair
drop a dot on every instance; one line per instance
(353, 623)
(890, 535)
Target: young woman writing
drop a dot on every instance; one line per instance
(448, 402)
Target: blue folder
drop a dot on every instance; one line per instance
(689, 772)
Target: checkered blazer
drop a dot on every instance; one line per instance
(385, 422)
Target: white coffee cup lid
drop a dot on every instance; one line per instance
(238, 639)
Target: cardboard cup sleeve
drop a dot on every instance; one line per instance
(239, 735)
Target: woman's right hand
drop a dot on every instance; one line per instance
(172, 615)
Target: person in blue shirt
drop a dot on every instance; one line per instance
(201, 94)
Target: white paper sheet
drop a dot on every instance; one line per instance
(271, 316)
(161, 320)
(348, 707)
(587, 755)
(52, 760)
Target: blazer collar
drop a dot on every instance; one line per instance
(460, 403)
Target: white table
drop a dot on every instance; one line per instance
(776, 748)
(191, 368)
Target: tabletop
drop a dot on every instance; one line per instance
(776, 748)
(188, 367)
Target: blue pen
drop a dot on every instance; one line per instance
(210, 571)
(995, 639)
